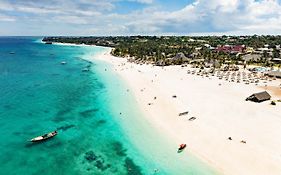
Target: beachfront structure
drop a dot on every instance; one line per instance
(259, 69)
(252, 57)
(231, 49)
(276, 74)
(264, 50)
(259, 97)
(180, 56)
(276, 60)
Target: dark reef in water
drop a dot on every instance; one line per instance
(55, 74)
(90, 156)
(88, 113)
(100, 122)
(30, 95)
(101, 165)
(100, 85)
(63, 112)
(59, 119)
(60, 115)
(131, 167)
(65, 127)
(97, 160)
(7, 107)
(118, 148)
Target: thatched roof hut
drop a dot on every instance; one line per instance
(180, 56)
(251, 57)
(178, 59)
(259, 97)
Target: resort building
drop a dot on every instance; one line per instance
(276, 74)
(231, 49)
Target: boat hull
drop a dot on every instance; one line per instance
(44, 137)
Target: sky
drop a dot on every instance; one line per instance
(139, 17)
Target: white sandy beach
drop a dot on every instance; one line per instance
(220, 110)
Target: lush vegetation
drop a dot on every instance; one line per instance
(166, 49)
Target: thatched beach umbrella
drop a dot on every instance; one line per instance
(259, 97)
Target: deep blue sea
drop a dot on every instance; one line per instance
(97, 119)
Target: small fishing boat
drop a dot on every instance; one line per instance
(183, 113)
(181, 147)
(63, 62)
(44, 137)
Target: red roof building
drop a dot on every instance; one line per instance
(231, 49)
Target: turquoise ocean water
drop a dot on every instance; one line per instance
(39, 95)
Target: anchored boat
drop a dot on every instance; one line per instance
(44, 137)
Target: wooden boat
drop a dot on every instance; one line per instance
(192, 118)
(181, 147)
(183, 113)
(44, 137)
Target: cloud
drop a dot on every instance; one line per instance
(149, 18)
(5, 6)
(212, 16)
(5, 18)
(143, 1)
(70, 20)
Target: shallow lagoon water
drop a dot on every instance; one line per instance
(39, 95)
